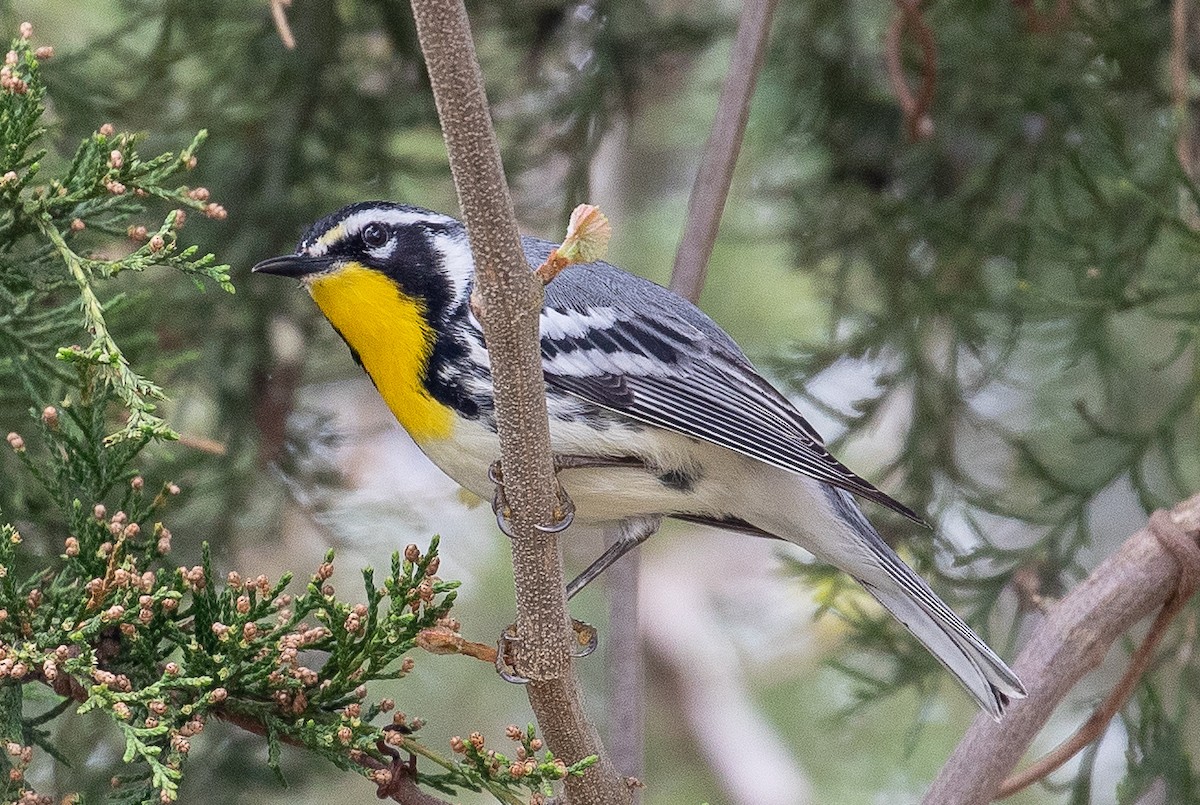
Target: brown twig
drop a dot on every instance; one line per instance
(1151, 570)
(512, 301)
(706, 205)
(203, 444)
(711, 188)
(625, 656)
(279, 15)
(443, 640)
(275, 384)
(918, 124)
(1187, 553)
(400, 784)
(1028, 584)
(588, 234)
(1180, 99)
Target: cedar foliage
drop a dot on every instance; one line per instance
(93, 617)
(1017, 291)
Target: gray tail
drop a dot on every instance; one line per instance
(903, 593)
(985, 676)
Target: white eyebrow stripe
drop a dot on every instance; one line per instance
(353, 224)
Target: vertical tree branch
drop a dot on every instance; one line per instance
(705, 207)
(707, 200)
(512, 301)
(625, 657)
(918, 124)
(1072, 640)
(1180, 97)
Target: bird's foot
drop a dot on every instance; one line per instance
(561, 517)
(587, 637)
(505, 667)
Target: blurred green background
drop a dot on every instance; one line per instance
(994, 323)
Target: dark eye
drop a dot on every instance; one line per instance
(374, 235)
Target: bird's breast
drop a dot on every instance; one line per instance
(391, 337)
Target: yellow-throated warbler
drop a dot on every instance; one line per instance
(676, 420)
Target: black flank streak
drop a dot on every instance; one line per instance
(679, 480)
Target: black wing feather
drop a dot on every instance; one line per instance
(700, 387)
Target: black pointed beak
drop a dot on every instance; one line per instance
(295, 266)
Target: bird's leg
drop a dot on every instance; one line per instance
(585, 634)
(634, 532)
(564, 511)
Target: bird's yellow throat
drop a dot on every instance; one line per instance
(394, 341)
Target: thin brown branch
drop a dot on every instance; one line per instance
(511, 303)
(706, 205)
(396, 781)
(443, 640)
(1176, 542)
(587, 239)
(625, 656)
(279, 16)
(1180, 99)
(707, 201)
(203, 444)
(915, 108)
(1038, 23)
(1151, 570)
(399, 784)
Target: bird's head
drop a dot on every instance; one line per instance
(391, 279)
(378, 248)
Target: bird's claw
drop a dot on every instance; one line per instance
(564, 509)
(500, 505)
(587, 637)
(564, 513)
(504, 666)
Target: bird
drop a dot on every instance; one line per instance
(654, 411)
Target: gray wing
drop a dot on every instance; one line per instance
(630, 346)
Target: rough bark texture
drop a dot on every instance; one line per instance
(1073, 639)
(707, 200)
(512, 300)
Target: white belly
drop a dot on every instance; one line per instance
(600, 494)
(727, 484)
